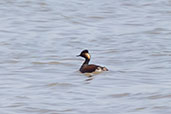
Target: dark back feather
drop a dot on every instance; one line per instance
(88, 68)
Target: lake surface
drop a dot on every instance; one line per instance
(39, 41)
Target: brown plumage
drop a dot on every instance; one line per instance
(86, 68)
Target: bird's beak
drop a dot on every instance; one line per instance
(78, 56)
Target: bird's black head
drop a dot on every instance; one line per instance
(85, 54)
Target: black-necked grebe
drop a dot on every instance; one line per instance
(86, 68)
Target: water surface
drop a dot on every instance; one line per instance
(39, 41)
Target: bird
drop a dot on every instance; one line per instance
(89, 68)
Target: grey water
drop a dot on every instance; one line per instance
(39, 70)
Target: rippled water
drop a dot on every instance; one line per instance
(39, 41)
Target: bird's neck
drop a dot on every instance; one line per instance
(86, 61)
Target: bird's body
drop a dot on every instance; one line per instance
(90, 68)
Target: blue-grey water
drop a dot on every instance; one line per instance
(39, 41)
